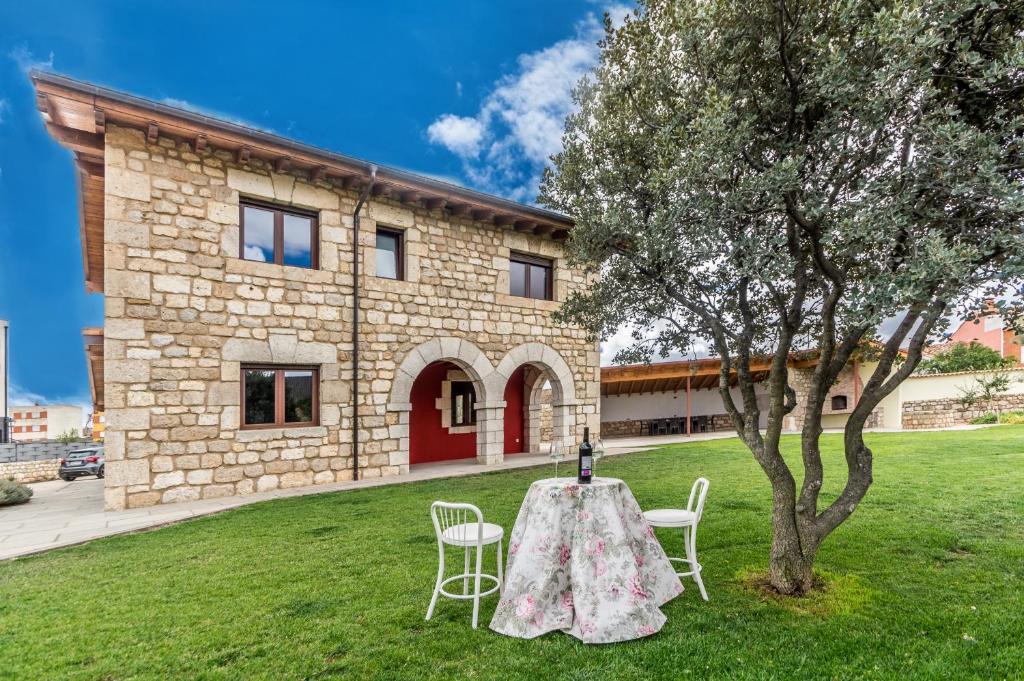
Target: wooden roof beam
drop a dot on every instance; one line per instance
(543, 230)
(482, 214)
(318, 173)
(201, 144)
(504, 220)
(524, 225)
(435, 203)
(101, 121)
(152, 132)
(283, 164)
(459, 209)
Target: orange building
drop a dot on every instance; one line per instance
(990, 330)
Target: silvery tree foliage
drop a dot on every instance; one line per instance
(769, 178)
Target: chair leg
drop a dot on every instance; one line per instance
(465, 580)
(476, 586)
(690, 541)
(437, 585)
(501, 577)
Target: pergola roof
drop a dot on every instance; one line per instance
(702, 374)
(76, 114)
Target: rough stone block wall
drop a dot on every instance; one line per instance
(949, 412)
(844, 385)
(183, 312)
(30, 471)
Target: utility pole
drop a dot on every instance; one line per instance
(5, 421)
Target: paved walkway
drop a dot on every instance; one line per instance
(66, 513)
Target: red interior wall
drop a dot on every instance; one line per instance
(428, 441)
(515, 397)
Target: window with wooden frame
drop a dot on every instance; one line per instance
(530, 277)
(280, 396)
(463, 404)
(390, 253)
(279, 235)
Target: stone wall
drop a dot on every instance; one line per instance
(944, 413)
(844, 386)
(30, 471)
(183, 312)
(633, 428)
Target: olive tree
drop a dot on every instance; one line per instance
(767, 178)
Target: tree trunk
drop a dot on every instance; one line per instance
(791, 563)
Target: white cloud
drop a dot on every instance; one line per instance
(506, 144)
(5, 107)
(27, 61)
(461, 135)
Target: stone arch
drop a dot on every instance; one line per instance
(553, 369)
(478, 368)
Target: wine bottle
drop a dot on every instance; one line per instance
(586, 459)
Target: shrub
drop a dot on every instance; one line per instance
(12, 493)
(1013, 418)
(985, 418)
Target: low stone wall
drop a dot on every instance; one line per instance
(949, 412)
(632, 428)
(30, 471)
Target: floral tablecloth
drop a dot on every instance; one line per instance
(583, 560)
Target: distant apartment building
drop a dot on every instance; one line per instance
(44, 421)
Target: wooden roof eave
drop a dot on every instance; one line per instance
(74, 105)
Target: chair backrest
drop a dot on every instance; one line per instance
(447, 515)
(698, 493)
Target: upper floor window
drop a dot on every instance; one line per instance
(283, 236)
(463, 407)
(280, 396)
(530, 277)
(389, 254)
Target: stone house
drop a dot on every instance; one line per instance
(278, 315)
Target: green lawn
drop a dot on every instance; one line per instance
(925, 581)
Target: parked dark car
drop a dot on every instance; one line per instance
(81, 462)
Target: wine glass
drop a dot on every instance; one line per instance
(556, 454)
(598, 449)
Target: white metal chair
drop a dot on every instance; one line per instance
(462, 525)
(687, 519)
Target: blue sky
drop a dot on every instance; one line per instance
(472, 91)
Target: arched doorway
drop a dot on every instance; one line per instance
(438, 408)
(531, 369)
(443, 420)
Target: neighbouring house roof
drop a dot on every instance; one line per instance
(77, 112)
(93, 339)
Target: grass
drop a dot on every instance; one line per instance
(924, 581)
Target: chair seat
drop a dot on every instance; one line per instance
(669, 517)
(466, 533)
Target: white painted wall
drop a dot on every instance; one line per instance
(668, 404)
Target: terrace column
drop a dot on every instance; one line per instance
(689, 425)
(490, 433)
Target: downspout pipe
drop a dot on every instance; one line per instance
(355, 319)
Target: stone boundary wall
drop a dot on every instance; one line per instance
(30, 471)
(949, 412)
(632, 428)
(38, 451)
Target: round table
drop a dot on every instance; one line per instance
(583, 560)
